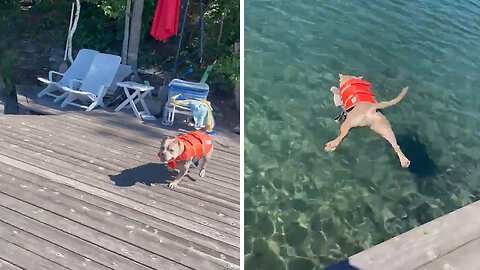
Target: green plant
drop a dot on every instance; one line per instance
(222, 30)
(230, 67)
(101, 27)
(9, 11)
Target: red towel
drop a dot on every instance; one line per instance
(165, 21)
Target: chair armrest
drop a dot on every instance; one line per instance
(51, 72)
(179, 106)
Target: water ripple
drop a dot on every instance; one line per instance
(308, 209)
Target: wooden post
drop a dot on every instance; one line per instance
(2, 84)
(9, 97)
(135, 32)
(126, 34)
(185, 13)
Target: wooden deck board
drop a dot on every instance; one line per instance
(179, 235)
(51, 170)
(135, 151)
(90, 185)
(57, 180)
(126, 157)
(54, 253)
(62, 239)
(124, 118)
(129, 153)
(45, 215)
(100, 201)
(102, 123)
(93, 172)
(122, 231)
(463, 258)
(24, 258)
(4, 265)
(93, 163)
(448, 237)
(93, 152)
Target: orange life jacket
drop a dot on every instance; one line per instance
(196, 143)
(354, 91)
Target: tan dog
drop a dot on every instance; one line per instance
(365, 113)
(179, 153)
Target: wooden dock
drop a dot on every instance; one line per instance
(85, 191)
(451, 242)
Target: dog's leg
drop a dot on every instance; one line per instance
(383, 128)
(205, 161)
(344, 128)
(183, 171)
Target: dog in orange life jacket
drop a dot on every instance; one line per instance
(180, 152)
(357, 100)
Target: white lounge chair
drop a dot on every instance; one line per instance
(188, 90)
(114, 91)
(70, 78)
(95, 84)
(123, 72)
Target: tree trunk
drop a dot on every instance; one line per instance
(236, 48)
(237, 96)
(74, 27)
(135, 32)
(126, 34)
(68, 34)
(221, 29)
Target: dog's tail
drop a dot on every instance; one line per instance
(386, 104)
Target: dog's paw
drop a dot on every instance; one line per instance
(202, 173)
(331, 146)
(173, 184)
(405, 163)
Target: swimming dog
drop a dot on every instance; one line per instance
(361, 109)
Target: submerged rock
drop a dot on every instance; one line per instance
(263, 257)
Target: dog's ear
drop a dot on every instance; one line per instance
(178, 143)
(340, 75)
(167, 138)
